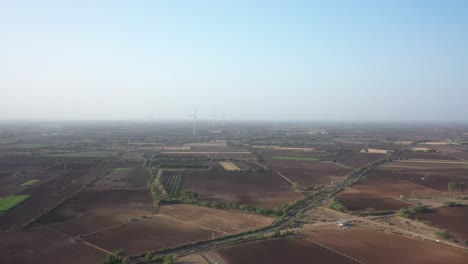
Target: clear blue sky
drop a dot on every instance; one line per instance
(298, 60)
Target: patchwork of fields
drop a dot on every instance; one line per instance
(82, 194)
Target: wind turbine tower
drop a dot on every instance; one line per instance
(224, 116)
(194, 115)
(214, 118)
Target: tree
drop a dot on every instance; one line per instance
(456, 186)
(168, 259)
(277, 233)
(119, 253)
(149, 257)
(116, 257)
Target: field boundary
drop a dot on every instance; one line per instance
(422, 186)
(334, 251)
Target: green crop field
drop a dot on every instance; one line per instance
(122, 169)
(30, 182)
(88, 154)
(11, 201)
(297, 158)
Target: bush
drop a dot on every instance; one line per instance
(451, 204)
(189, 197)
(277, 233)
(116, 257)
(419, 209)
(411, 211)
(336, 205)
(168, 259)
(149, 257)
(443, 234)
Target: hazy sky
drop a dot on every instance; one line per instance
(298, 60)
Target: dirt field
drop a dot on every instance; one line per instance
(10, 183)
(67, 166)
(425, 165)
(438, 143)
(387, 188)
(376, 151)
(254, 188)
(378, 247)
(45, 247)
(433, 179)
(309, 173)
(281, 251)
(355, 159)
(381, 190)
(364, 204)
(97, 199)
(175, 225)
(425, 156)
(192, 259)
(117, 174)
(304, 149)
(454, 219)
(43, 196)
(229, 166)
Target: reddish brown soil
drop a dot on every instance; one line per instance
(96, 199)
(281, 251)
(73, 166)
(269, 154)
(309, 173)
(45, 247)
(43, 196)
(256, 188)
(23, 166)
(378, 247)
(356, 160)
(175, 225)
(425, 155)
(426, 165)
(372, 204)
(454, 219)
(387, 188)
(148, 234)
(10, 183)
(225, 221)
(458, 151)
(436, 179)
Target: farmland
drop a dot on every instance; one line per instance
(281, 251)
(452, 219)
(296, 158)
(254, 188)
(6, 203)
(229, 166)
(378, 247)
(308, 173)
(92, 191)
(87, 154)
(30, 182)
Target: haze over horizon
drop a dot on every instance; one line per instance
(271, 60)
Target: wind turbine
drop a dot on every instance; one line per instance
(213, 115)
(224, 116)
(194, 115)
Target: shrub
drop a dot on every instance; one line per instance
(452, 204)
(168, 259)
(336, 205)
(443, 234)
